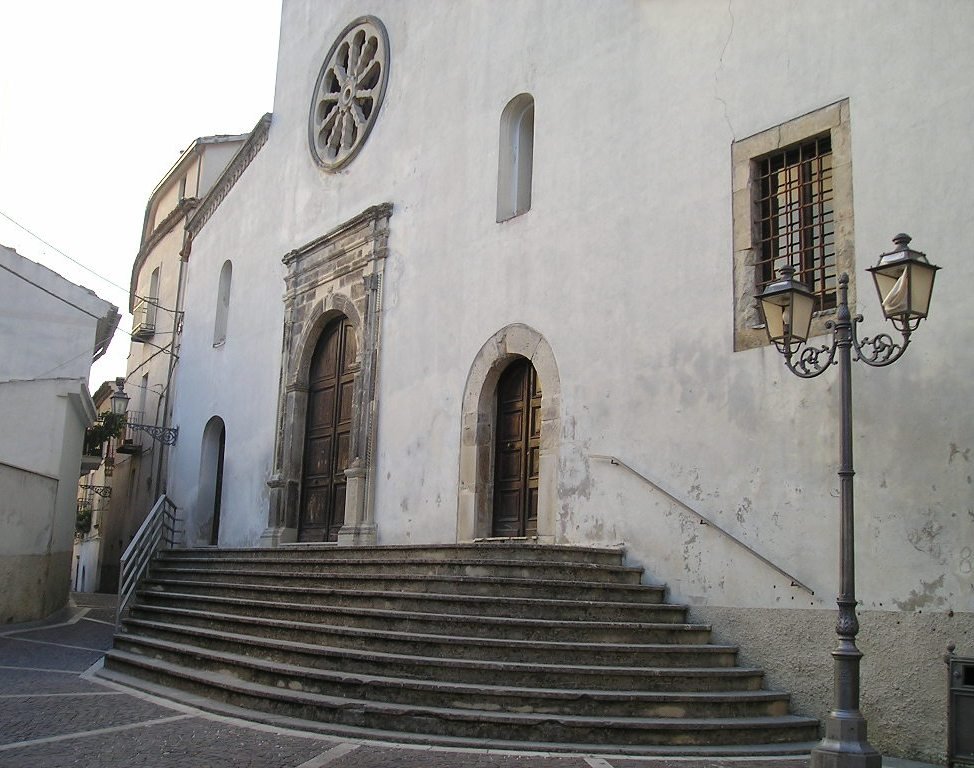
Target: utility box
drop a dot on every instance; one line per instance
(960, 709)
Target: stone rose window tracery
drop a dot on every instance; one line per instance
(348, 93)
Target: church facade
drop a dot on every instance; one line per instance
(490, 270)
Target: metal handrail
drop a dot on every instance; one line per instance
(705, 520)
(158, 529)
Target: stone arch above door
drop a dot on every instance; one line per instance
(332, 306)
(475, 501)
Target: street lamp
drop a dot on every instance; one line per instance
(120, 402)
(904, 280)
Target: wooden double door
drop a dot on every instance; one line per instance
(328, 430)
(517, 451)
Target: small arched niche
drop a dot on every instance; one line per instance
(515, 157)
(222, 305)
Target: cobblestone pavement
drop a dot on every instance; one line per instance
(54, 716)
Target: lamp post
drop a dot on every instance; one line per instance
(904, 279)
(120, 402)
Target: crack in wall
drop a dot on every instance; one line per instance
(720, 66)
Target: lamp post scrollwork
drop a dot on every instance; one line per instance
(120, 401)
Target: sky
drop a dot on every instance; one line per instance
(97, 102)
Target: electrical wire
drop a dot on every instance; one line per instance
(85, 267)
(49, 293)
(81, 309)
(167, 349)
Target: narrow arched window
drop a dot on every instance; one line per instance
(153, 298)
(515, 157)
(222, 305)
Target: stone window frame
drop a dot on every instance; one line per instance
(832, 120)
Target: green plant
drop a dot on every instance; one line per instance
(82, 525)
(108, 426)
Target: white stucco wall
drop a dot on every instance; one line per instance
(48, 324)
(40, 455)
(237, 380)
(624, 265)
(48, 332)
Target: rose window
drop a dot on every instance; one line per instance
(348, 93)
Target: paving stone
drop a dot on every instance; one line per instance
(85, 633)
(35, 717)
(191, 743)
(22, 681)
(18, 652)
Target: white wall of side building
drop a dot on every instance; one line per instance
(623, 266)
(50, 330)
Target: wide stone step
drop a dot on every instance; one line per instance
(485, 605)
(487, 551)
(561, 673)
(435, 623)
(475, 724)
(464, 585)
(452, 646)
(591, 702)
(500, 642)
(415, 567)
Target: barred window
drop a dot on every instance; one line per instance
(797, 223)
(792, 206)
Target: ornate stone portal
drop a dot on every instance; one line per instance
(337, 274)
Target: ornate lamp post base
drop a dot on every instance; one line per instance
(844, 744)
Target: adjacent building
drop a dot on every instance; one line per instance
(51, 331)
(156, 303)
(94, 497)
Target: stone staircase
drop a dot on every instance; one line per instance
(511, 645)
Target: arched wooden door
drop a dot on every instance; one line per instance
(327, 433)
(210, 498)
(516, 451)
(218, 491)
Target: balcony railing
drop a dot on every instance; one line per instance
(131, 439)
(144, 320)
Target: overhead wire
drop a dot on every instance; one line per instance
(151, 300)
(49, 293)
(75, 306)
